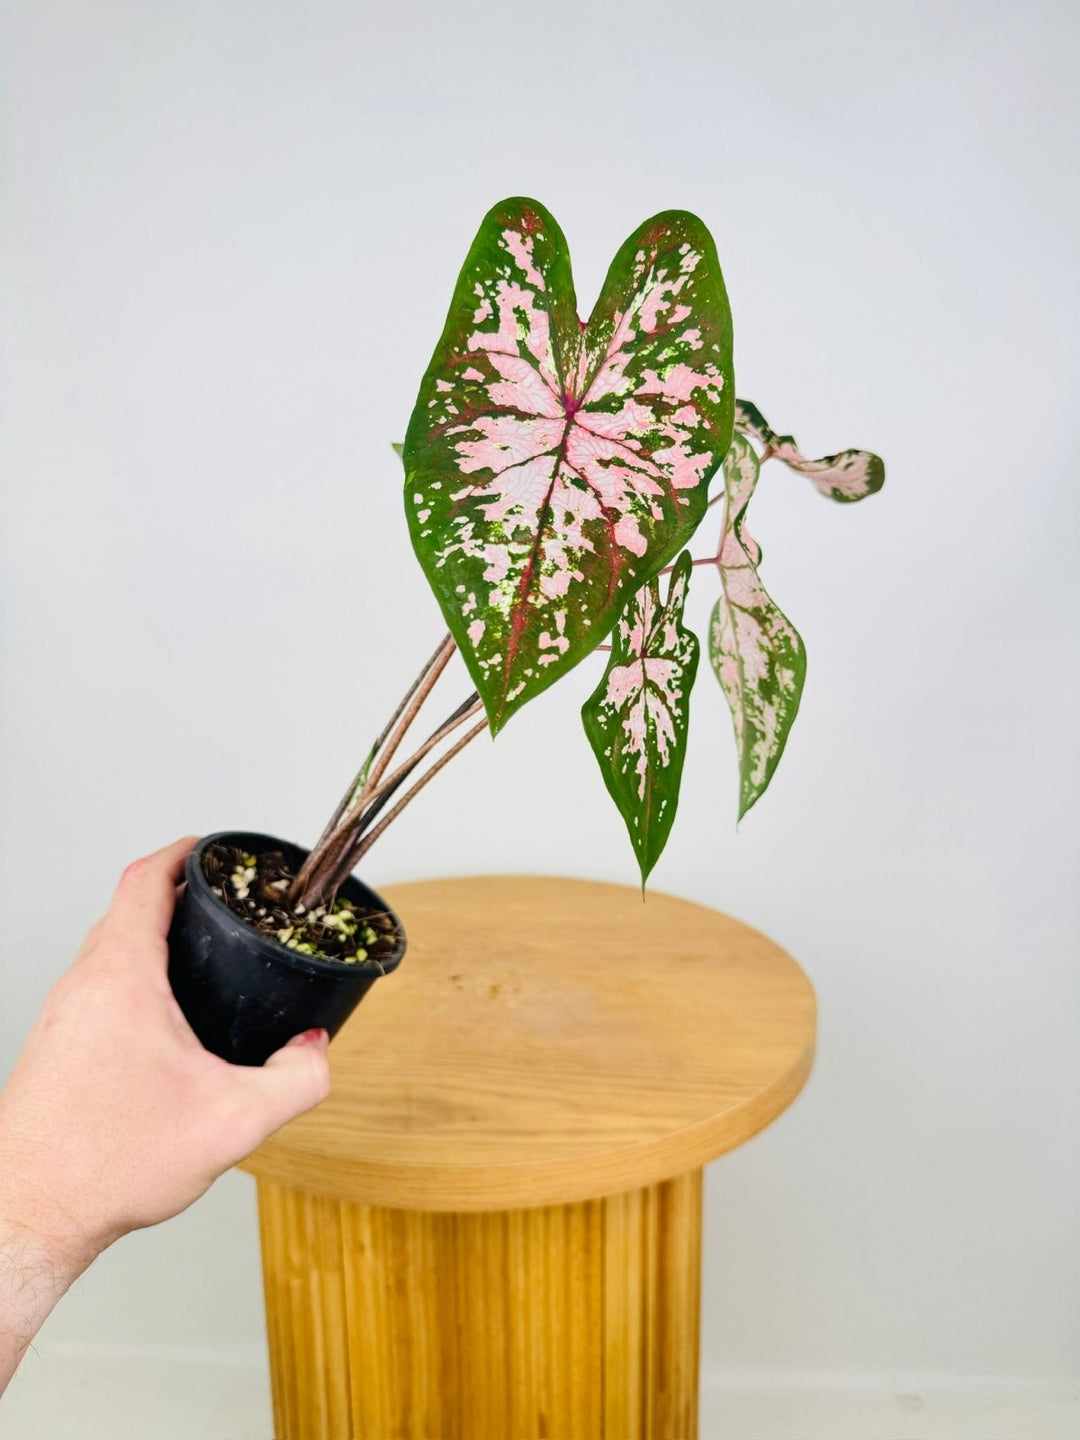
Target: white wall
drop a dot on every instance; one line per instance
(232, 228)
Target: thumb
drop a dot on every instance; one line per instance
(294, 1079)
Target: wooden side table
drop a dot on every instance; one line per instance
(492, 1228)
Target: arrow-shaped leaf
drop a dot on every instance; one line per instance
(637, 717)
(552, 466)
(847, 476)
(755, 651)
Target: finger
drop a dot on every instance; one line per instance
(146, 895)
(294, 1079)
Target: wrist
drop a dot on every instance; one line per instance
(34, 1274)
(37, 1225)
(36, 1239)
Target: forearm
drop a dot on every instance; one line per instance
(42, 1248)
(33, 1276)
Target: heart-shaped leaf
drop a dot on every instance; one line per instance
(637, 717)
(552, 466)
(755, 651)
(850, 475)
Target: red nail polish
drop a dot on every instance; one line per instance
(312, 1037)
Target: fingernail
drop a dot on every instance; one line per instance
(312, 1037)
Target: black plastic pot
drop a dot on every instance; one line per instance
(244, 994)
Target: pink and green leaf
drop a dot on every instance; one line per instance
(755, 651)
(637, 718)
(848, 476)
(552, 466)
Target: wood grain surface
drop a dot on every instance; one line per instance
(570, 1322)
(547, 1041)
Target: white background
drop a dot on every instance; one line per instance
(231, 233)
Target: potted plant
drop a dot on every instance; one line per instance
(555, 471)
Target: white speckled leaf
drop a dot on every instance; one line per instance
(755, 651)
(848, 476)
(637, 717)
(552, 466)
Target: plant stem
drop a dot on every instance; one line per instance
(358, 821)
(705, 560)
(411, 701)
(321, 884)
(410, 708)
(464, 712)
(353, 856)
(432, 661)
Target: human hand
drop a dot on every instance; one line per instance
(115, 1117)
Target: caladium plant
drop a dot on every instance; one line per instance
(554, 467)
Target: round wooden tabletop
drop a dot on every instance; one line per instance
(546, 1041)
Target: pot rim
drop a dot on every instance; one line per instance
(201, 892)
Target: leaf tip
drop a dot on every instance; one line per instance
(646, 866)
(873, 478)
(875, 473)
(523, 210)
